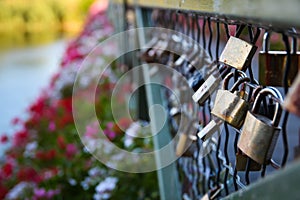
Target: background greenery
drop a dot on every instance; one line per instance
(24, 22)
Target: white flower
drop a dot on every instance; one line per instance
(30, 149)
(72, 182)
(17, 191)
(96, 171)
(107, 185)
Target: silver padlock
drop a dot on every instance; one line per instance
(237, 53)
(212, 127)
(259, 134)
(208, 87)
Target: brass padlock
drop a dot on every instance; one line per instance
(292, 99)
(241, 162)
(259, 134)
(212, 127)
(208, 87)
(237, 53)
(229, 106)
(272, 64)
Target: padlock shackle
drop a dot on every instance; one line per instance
(229, 76)
(274, 93)
(266, 42)
(239, 82)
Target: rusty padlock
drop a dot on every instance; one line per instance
(237, 53)
(272, 64)
(229, 105)
(241, 162)
(292, 100)
(259, 134)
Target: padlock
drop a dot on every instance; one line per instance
(186, 138)
(259, 134)
(241, 162)
(292, 99)
(212, 127)
(231, 107)
(237, 53)
(208, 87)
(185, 146)
(272, 64)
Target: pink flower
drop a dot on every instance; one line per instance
(92, 130)
(51, 126)
(71, 150)
(109, 132)
(39, 192)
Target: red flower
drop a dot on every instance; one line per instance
(46, 155)
(71, 150)
(3, 191)
(16, 121)
(7, 170)
(28, 174)
(61, 142)
(3, 139)
(20, 138)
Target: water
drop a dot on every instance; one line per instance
(23, 74)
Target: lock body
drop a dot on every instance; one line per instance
(272, 67)
(230, 108)
(241, 163)
(185, 146)
(258, 138)
(209, 86)
(237, 53)
(209, 129)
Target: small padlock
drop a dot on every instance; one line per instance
(185, 145)
(259, 134)
(241, 162)
(237, 53)
(212, 127)
(229, 106)
(292, 100)
(272, 64)
(208, 87)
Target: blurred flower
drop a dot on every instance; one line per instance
(7, 170)
(109, 132)
(4, 138)
(17, 191)
(30, 149)
(104, 188)
(71, 150)
(20, 138)
(61, 142)
(28, 174)
(51, 126)
(92, 130)
(16, 121)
